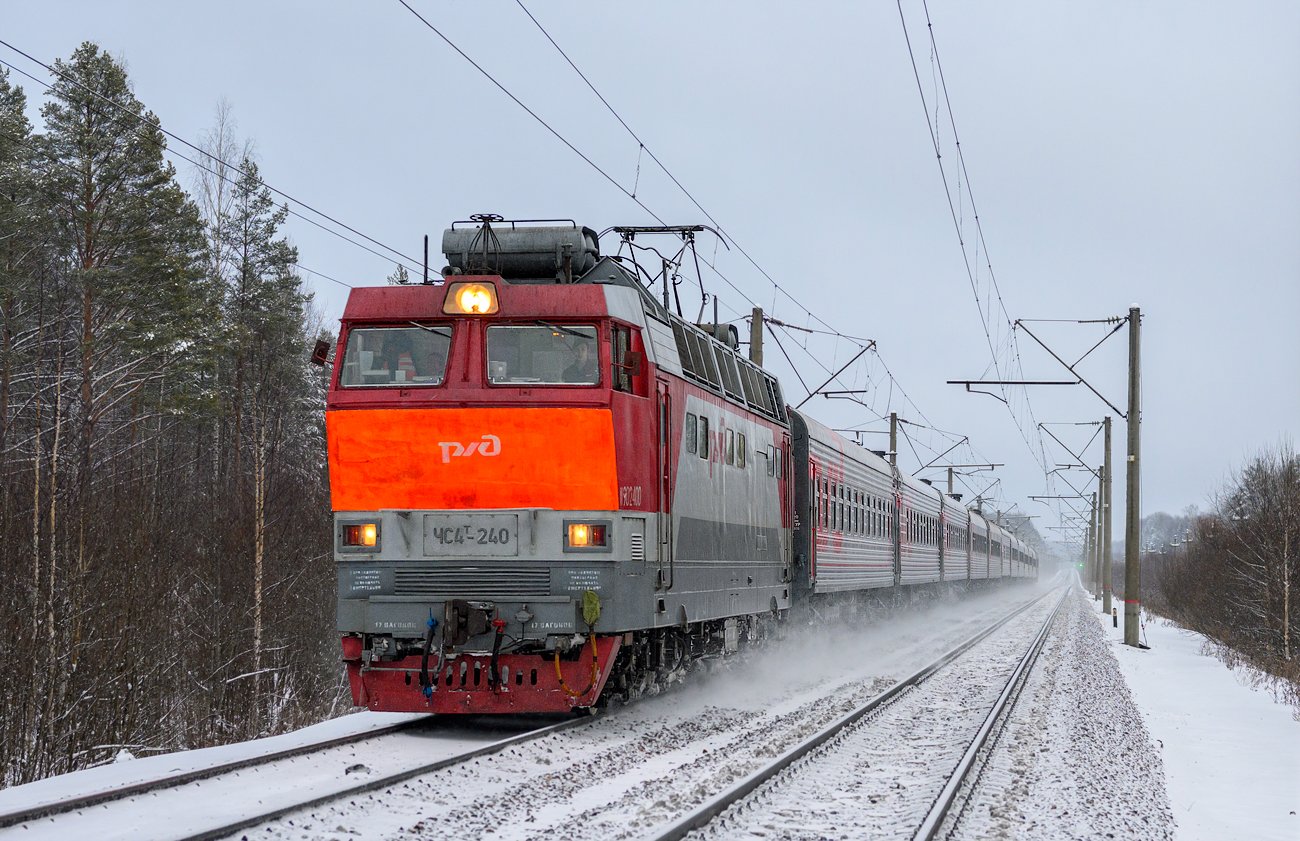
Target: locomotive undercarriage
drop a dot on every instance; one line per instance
(656, 659)
(572, 672)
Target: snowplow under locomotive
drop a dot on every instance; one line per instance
(548, 488)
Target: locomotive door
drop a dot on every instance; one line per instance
(665, 487)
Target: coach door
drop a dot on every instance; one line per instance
(785, 486)
(665, 472)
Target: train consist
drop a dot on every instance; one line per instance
(548, 489)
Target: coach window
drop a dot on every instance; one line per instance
(551, 354)
(771, 460)
(689, 433)
(731, 447)
(407, 354)
(704, 437)
(740, 449)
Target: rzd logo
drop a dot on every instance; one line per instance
(490, 445)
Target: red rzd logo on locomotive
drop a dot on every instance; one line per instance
(488, 445)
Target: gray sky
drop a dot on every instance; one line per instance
(1118, 153)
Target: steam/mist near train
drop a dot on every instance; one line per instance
(549, 490)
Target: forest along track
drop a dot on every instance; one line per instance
(222, 799)
(883, 769)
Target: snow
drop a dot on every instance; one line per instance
(1106, 741)
(1231, 753)
(1075, 759)
(122, 773)
(878, 778)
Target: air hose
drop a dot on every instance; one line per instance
(426, 684)
(494, 669)
(590, 615)
(595, 669)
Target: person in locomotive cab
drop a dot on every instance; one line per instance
(397, 356)
(430, 360)
(582, 369)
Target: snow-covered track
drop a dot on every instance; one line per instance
(937, 818)
(186, 807)
(84, 801)
(750, 784)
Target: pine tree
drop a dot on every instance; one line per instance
(265, 311)
(127, 296)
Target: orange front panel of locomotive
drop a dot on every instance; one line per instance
(411, 459)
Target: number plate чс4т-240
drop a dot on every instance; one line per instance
(460, 535)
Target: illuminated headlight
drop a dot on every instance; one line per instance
(364, 535)
(586, 536)
(470, 299)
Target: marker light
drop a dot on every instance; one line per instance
(585, 535)
(470, 299)
(363, 534)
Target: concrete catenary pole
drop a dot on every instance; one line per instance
(1105, 524)
(893, 438)
(756, 337)
(1090, 543)
(1099, 497)
(1132, 502)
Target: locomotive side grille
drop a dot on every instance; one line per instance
(638, 546)
(470, 582)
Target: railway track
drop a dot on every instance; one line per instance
(725, 815)
(220, 800)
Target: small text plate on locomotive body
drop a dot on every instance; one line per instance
(477, 535)
(362, 582)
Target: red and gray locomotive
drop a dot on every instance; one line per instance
(549, 489)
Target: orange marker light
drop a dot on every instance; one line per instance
(470, 299)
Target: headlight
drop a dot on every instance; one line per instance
(470, 299)
(365, 535)
(586, 535)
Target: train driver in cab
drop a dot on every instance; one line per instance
(582, 367)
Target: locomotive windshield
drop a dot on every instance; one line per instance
(543, 353)
(414, 354)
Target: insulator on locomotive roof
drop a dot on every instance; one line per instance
(521, 251)
(725, 333)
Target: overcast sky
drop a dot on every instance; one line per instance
(1117, 153)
